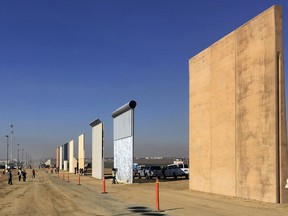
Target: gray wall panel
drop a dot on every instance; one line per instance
(123, 125)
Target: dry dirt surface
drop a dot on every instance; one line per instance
(52, 194)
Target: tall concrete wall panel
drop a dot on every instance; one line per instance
(57, 156)
(97, 149)
(65, 151)
(200, 151)
(65, 165)
(283, 146)
(123, 124)
(61, 157)
(237, 114)
(123, 158)
(223, 116)
(72, 165)
(214, 114)
(81, 151)
(65, 156)
(256, 109)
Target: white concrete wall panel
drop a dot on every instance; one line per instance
(65, 165)
(97, 151)
(123, 125)
(123, 159)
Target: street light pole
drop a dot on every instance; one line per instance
(18, 156)
(11, 140)
(7, 148)
(22, 156)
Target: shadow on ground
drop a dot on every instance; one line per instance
(144, 180)
(142, 210)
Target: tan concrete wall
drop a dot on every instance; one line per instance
(237, 119)
(57, 156)
(283, 147)
(72, 164)
(199, 115)
(61, 157)
(255, 96)
(81, 151)
(213, 118)
(222, 116)
(97, 151)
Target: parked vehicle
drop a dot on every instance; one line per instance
(141, 171)
(153, 171)
(185, 169)
(88, 165)
(173, 170)
(135, 170)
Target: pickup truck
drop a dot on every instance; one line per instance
(141, 171)
(149, 171)
(184, 168)
(153, 171)
(173, 170)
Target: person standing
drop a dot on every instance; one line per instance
(33, 173)
(19, 174)
(24, 175)
(10, 177)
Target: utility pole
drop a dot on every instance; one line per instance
(11, 140)
(18, 156)
(22, 157)
(7, 148)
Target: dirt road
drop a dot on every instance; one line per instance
(49, 194)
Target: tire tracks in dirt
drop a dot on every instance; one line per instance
(49, 195)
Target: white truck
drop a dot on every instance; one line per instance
(149, 171)
(152, 171)
(141, 171)
(174, 170)
(184, 168)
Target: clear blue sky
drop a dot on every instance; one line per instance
(65, 63)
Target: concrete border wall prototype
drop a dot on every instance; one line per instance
(123, 128)
(57, 156)
(60, 157)
(65, 156)
(72, 165)
(81, 151)
(237, 113)
(97, 149)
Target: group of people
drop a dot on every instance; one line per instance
(21, 174)
(56, 170)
